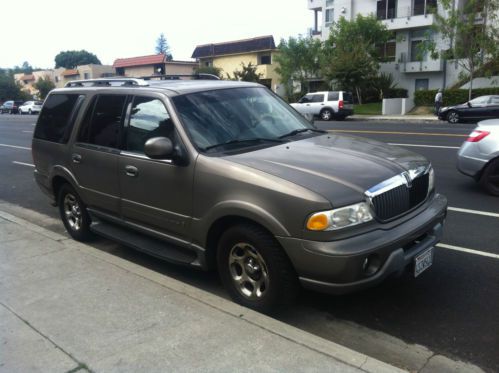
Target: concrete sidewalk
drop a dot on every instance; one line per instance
(401, 118)
(65, 306)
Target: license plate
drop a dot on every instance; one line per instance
(423, 261)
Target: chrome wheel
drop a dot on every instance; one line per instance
(453, 117)
(72, 212)
(326, 115)
(248, 271)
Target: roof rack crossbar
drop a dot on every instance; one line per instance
(132, 82)
(178, 76)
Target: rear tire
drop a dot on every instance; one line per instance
(326, 114)
(74, 213)
(255, 270)
(490, 177)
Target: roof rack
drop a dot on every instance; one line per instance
(107, 82)
(179, 76)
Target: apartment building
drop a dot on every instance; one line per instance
(228, 56)
(156, 64)
(410, 21)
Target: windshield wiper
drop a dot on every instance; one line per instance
(239, 141)
(296, 132)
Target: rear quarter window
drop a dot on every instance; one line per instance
(57, 117)
(333, 96)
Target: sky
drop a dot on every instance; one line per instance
(115, 29)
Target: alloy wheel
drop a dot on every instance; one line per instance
(248, 271)
(453, 117)
(72, 212)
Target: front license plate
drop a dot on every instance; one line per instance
(423, 261)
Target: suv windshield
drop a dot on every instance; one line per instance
(238, 117)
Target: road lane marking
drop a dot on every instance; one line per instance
(24, 164)
(468, 251)
(426, 146)
(476, 212)
(402, 133)
(15, 146)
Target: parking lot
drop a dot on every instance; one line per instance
(451, 309)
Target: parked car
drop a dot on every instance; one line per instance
(30, 107)
(225, 175)
(478, 157)
(10, 107)
(483, 107)
(326, 105)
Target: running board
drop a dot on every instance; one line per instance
(146, 244)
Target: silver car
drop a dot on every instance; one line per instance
(479, 155)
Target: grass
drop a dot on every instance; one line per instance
(422, 110)
(373, 108)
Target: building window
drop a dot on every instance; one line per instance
(57, 79)
(421, 7)
(386, 51)
(386, 9)
(329, 16)
(418, 39)
(86, 76)
(421, 84)
(265, 59)
(329, 3)
(208, 63)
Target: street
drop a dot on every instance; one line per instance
(451, 309)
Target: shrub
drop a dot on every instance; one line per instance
(396, 93)
(451, 96)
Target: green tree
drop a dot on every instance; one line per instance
(209, 70)
(9, 89)
(247, 73)
(351, 58)
(71, 59)
(298, 61)
(471, 43)
(162, 47)
(44, 86)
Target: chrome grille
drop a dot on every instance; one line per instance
(400, 199)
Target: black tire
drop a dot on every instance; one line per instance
(29, 112)
(74, 213)
(453, 117)
(279, 282)
(490, 177)
(326, 114)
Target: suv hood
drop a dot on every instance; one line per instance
(338, 167)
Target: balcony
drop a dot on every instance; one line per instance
(422, 66)
(424, 20)
(315, 4)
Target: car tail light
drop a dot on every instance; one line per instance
(477, 135)
(340, 104)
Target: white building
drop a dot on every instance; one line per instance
(410, 20)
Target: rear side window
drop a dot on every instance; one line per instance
(318, 98)
(56, 120)
(333, 96)
(105, 125)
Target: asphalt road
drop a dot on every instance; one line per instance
(452, 308)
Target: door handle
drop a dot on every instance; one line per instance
(131, 171)
(76, 158)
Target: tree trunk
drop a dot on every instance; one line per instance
(471, 85)
(359, 98)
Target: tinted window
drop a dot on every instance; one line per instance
(494, 100)
(148, 119)
(333, 96)
(55, 122)
(318, 98)
(106, 121)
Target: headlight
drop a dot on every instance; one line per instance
(340, 218)
(431, 180)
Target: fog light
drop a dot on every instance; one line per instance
(371, 265)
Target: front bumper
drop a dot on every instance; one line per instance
(336, 267)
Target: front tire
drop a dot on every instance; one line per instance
(29, 112)
(326, 114)
(490, 177)
(453, 117)
(74, 214)
(255, 270)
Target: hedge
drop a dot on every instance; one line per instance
(395, 93)
(450, 96)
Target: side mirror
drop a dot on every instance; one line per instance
(159, 148)
(469, 104)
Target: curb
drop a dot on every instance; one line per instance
(405, 118)
(283, 330)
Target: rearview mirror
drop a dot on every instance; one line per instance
(159, 148)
